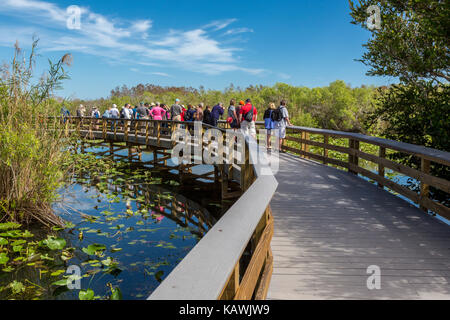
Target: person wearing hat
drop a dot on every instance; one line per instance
(157, 113)
(81, 111)
(114, 112)
(248, 117)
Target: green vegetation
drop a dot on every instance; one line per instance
(337, 106)
(30, 155)
(412, 45)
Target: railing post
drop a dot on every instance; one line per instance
(302, 147)
(353, 158)
(104, 128)
(325, 150)
(146, 132)
(424, 188)
(136, 128)
(245, 167)
(125, 129)
(158, 126)
(232, 286)
(381, 171)
(91, 134)
(306, 145)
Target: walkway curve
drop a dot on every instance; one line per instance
(330, 226)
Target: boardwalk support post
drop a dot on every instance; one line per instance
(424, 188)
(353, 159)
(381, 169)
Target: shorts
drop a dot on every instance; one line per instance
(248, 128)
(280, 132)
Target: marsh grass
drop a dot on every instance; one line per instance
(30, 153)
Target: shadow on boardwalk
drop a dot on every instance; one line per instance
(330, 226)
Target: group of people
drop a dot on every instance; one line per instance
(240, 116)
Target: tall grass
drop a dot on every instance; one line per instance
(30, 154)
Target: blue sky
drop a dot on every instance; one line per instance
(191, 43)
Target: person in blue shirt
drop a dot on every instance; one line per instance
(65, 113)
(216, 112)
(106, 114)
(269, 124)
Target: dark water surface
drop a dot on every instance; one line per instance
(146, 227)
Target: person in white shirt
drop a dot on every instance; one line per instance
(115, 112)
(281, 125)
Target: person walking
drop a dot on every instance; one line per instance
(281, 117)
(114, 112)
(190, 113)
(157, 113)
(95, 113)
(269, 124)
(107, 113)
(176, 110)
(248, 117)
(233, 119)
(216, 112)
(199, 113)
(125, 113)
(207, 116)
(81, 111)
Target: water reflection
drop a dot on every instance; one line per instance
(146, 223)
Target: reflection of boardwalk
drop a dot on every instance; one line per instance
(330, 226)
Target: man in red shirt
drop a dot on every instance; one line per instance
(248, 117)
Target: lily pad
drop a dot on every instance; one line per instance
(54, 243)
(86, 294)
(94, 249)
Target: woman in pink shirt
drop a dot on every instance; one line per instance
(157, 113)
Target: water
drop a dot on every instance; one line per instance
(146, 225)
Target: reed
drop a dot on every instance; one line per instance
(31, 155)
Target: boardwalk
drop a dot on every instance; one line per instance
(330, 226)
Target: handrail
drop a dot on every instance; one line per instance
(216, 268)
(299, 142)
(213, 269)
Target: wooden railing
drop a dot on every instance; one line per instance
(234, 259)
(301, 141)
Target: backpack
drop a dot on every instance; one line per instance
(277, 115)
(249, 115)
(189, 115)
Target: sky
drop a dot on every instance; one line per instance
(189, 43)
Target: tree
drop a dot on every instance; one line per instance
(411, 45)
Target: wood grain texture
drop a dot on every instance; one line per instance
(330, 226)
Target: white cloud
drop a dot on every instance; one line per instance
(237, 31)
(162, 74)
(123, 42)
(142, 25)
(220, 24)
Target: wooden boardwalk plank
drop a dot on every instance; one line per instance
(330, 226)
